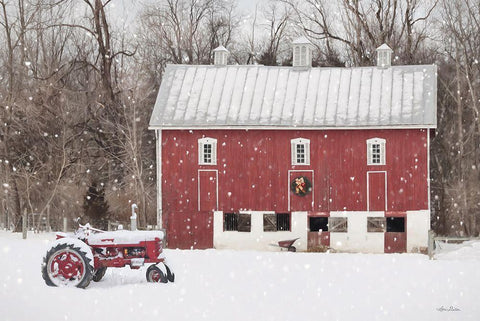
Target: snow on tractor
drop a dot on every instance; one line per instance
(76, 259)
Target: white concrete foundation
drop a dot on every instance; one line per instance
(357, 239)
(257, 239)
(418, 224)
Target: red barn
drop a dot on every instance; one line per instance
(250, 155)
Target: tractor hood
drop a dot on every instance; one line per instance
(123, 237)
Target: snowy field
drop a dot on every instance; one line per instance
(247, 285)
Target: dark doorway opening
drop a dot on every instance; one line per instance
(396, 224)
(318, 223)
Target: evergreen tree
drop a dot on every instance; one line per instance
(96, 207)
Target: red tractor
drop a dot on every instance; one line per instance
(75, 260)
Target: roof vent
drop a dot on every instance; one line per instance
(384, 56)
(220, 56)
(302, 52)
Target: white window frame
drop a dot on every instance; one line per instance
(300, 141)
(370, 154)
(201, 150)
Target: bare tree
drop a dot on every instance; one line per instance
(278, 18)
(366, 24)
(457, 152)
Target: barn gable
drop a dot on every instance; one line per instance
(255, 96)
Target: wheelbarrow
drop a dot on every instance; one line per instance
(288, 244)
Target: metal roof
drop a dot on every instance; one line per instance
(255, 96)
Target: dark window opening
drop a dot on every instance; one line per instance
(230, 222)
(395, 224)
(318, 223)
(283, 221)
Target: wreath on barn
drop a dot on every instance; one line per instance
(301, 186)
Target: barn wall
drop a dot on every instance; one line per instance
(418, 224)
(357, 239)
(257, 239)
(253, 170)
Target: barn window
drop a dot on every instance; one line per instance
(376, 224)
(237, 222)
(230, 221)
(300, 151)
(276, 222)
(376, 151)
(207, 151)
(338, 224)
(244, 222)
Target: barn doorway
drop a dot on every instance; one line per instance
(318, 233)
(395, 236)
(377, 191)
(207, 190)
(198, 233)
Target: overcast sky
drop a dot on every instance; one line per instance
(127, 10)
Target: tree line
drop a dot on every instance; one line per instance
(77, 88)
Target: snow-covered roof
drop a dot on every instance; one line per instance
(384, 47)
(301, 41)
(255, 96)
(220, 48)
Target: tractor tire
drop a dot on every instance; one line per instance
(170, 274)
(67, 266)
(98, 274)
(154, 274)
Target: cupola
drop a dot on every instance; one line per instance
(220, 56)
(384, 56)
(302, 52)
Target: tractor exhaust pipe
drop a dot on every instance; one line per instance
(133, 218)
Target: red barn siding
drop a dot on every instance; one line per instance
(253, 170)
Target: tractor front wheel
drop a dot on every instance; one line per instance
(67, 265)
(154, 274)
(98, 274)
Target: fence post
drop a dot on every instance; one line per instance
(65, 224)
(48, 227)
(431, 243)
(24, 224)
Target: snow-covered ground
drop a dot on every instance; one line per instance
(247, 285)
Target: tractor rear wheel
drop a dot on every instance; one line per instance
(67, 265)
(154, 274)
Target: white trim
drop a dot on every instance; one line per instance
(294, 155)
(288, 184)
(292, 127)
(158, 137)
(383, 151)
(216, 187)
(368, 189)
(203, 141)
(428, 170)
